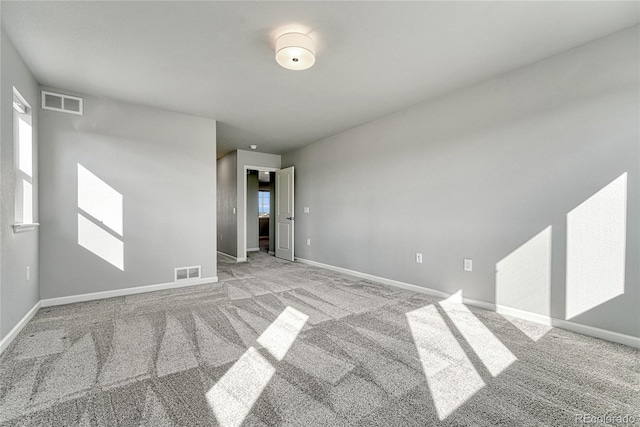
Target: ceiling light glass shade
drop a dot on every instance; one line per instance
(295, 51)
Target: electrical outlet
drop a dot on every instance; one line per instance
(28, 273)
(234, 211)
(468, 265)
(419, 258)
(306, 209)
(308, 242)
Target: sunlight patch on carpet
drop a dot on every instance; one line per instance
(281, 334)
(495, 356)
(451, 377)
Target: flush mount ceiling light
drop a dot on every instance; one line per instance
(253, 147)
(295, 51)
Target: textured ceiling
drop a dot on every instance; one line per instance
(216, 59)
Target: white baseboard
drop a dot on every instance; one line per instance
(227, 256)
(397, 284)
(522, 314)
(253, 249)
(127, 291)
(241, 259)
(480, 304)
(500, 309)
(571, 326)
(4, 343)
(596, 332)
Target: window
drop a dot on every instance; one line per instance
(264, 199)
(23, 148)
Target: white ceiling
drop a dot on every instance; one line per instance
(216, 59)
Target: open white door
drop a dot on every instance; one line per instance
(284, 213)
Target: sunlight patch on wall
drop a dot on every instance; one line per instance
(523, 278)
(100, 242)
(596, 248)
(495, 356)
(281, 334)
(451, 377)
(232, 398)
(99, 200)
(100, 218)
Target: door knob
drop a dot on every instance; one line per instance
(290, 217)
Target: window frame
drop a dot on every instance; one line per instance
(24, 213)
(264, 201)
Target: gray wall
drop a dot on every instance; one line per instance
(17, 251)
(480, 173)
(253, 238)
(227, 201)
(255, 159)
(163, 164)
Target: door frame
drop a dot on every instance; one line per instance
(288, 173)
(243, 250)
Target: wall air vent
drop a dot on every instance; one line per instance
(184, 273)
(62, 103)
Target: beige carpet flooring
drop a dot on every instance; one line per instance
(285, 344)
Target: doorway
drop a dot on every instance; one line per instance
(260, 224)
(265, 209)
(280, 190)
(281, 209)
